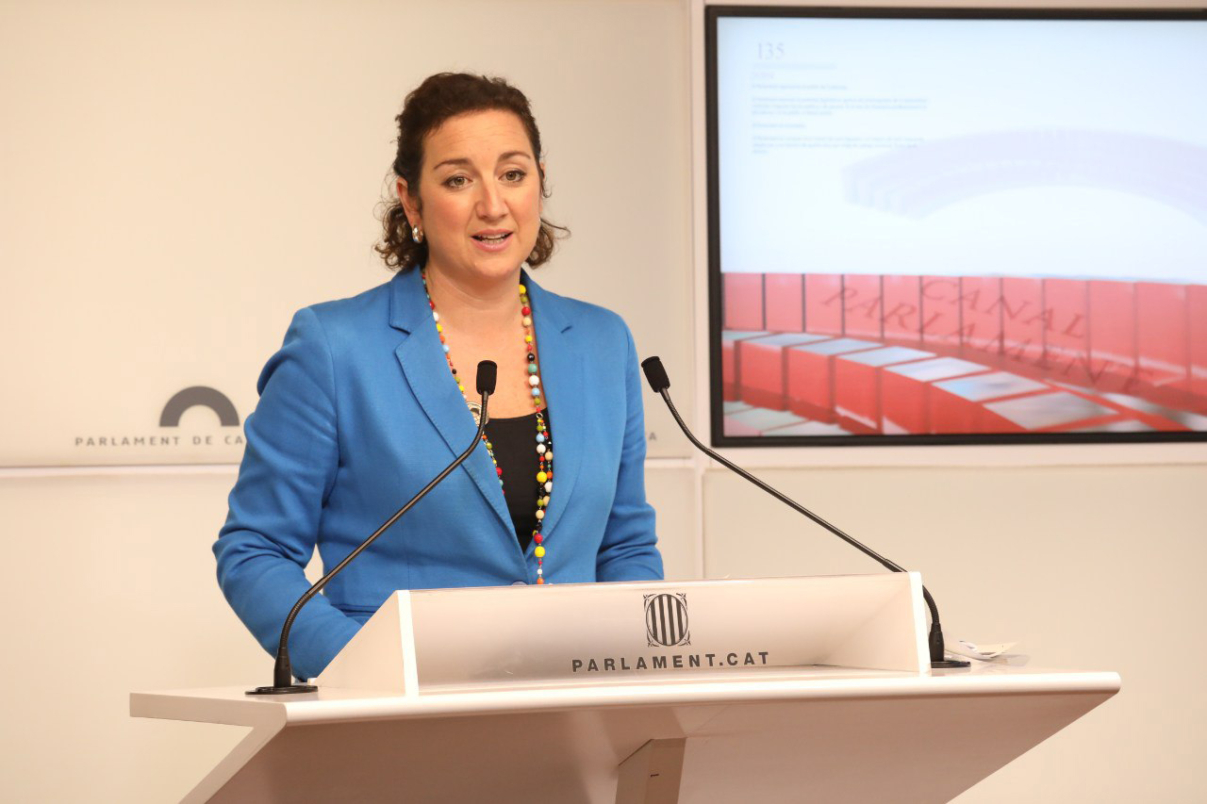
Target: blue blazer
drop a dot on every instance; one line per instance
(358, 411)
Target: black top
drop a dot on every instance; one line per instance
(514, 443)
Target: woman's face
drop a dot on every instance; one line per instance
(479, 203)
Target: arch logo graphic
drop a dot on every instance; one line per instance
(203, 438)
(199, 395)
(666, 620)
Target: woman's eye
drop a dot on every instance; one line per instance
(455, 181)
(514, 176)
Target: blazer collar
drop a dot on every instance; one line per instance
(561, 361)
(427, 373)
(409, 309)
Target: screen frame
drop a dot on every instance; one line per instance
(712, 15)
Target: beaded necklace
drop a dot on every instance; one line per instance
(544, 438)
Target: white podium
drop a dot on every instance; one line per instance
(773, 690)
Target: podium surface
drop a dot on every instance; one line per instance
(877, 737)
(769, 733)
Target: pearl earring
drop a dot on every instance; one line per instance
(417, 234)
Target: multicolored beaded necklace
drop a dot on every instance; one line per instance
(544, 438)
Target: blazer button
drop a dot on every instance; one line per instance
(519, 583)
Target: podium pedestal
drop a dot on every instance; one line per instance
(768, 732)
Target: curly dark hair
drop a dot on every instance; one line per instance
(438, 98)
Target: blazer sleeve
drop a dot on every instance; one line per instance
(289, 466)
(629, 550)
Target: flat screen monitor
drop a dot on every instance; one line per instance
(956, 226)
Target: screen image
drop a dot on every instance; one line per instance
(956, 227)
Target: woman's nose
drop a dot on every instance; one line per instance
(490, 202)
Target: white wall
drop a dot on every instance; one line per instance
(179, 177)
(1088, 567)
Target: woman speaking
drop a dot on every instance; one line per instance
(370, 397)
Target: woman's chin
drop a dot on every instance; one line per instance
(484, 268)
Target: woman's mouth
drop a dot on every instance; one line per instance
(492, 241)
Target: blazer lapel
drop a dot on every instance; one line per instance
(561, 374)
(426, 371)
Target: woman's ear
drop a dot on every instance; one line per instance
(410, 204)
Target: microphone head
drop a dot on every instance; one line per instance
(488, 374)
(655, 374)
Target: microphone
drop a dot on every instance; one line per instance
(488, 374)
(655, 374)
(283, 671)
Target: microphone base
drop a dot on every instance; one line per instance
(290, 689)
(949, 663)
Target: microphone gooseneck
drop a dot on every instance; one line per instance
(656, 375)
(283, 670)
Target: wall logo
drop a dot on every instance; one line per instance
(199, 395)
(666, 620)
(201, 431)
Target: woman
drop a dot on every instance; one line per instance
(370, 397)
